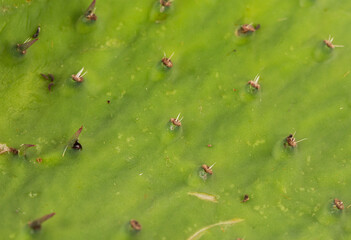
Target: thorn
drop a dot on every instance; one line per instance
(80, 72)
(257, 77)
(64, 151)
(36, 224)
(44, 76)
(301, 140)
(73, 142)
(22, 48)
(212, 166)
(50, 86)
(177, 117)
(90, 12)
(171, 56)
(36, 34)
(24, 147)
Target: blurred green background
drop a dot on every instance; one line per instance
(132, 166)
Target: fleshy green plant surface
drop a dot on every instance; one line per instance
(133, 166)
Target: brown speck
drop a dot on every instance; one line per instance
(36, 34)
(135, 225)
(39, 160)
(339, 204)
(50, 85)
(108, 101)
(330, 44)
(165, 3)
(209, 145)
(246, 198)
(291, 141)
(254, 83)
(247, 28)
(167, 61)
(14, 151)
(176, 121)
(90, 12)
(52, 78)
(36, 224)
(49, 77)
(207, 169)
(234, 90)
(79, 76)
(44, 76)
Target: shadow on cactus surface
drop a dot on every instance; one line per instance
(133, 165)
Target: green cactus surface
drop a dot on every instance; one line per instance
(135, 163)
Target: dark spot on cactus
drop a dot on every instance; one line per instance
(77, 146)
(22, 48)
(39, 160)
(73, 142)
(44, 76)
(36, 224)
(232, 51)
(246, 198)
(52, 78)
(49, 77)
(90, 12)
(209, 145)
(36, 34)
(135, 225)
(339, 204)
(108, 101)
(290, 140)
(50, 86)
(14, 151)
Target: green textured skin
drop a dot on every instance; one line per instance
(132, 166)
